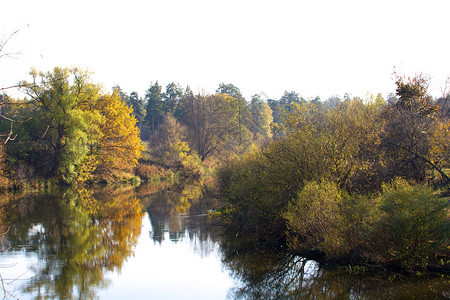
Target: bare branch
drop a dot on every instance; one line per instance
(11, 87)
(3, 45)
(42, 137)
(424, 159)
(445, 90)
(5, 291)
(10, 138)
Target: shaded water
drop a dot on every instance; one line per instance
(157, 242)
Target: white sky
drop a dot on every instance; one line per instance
(321, 47)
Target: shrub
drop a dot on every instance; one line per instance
(314, 221)
(413, 230)
(192, 165)
(151, 172)
(253, 190)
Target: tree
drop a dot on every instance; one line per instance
(289, 98)
(172, 98)
(154, 109)
(284, 105)
(170, 146)
(413, 95)
(61, 98)
(261, 117)
(119, 145)
(6, 103)
(124, 96)
(76, 129)
(208, 118)
(240, 107)
(138, 107)
(411, 120)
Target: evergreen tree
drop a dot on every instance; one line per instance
(154, 108)
(138, 107)
(172, 98)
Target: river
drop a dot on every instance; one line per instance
(159, 242)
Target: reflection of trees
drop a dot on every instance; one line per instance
(281, 275)
(74, 247)
(181, 210)
(263, 275)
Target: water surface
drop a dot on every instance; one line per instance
(156, 242)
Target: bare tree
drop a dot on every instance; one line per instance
(3, 98)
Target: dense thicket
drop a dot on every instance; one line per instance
(331, 180)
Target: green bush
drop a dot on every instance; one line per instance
(314, 221)
(413, 231)
(359, 214)
(252, 188)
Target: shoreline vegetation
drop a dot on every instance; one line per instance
(351, 181)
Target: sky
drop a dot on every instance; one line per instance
(315, 48)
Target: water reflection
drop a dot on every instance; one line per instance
(76, 238)
(282, 275)
(179, 212)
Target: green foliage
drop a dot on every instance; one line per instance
(138, 107)
(255, 190)
(413, 230)
(172, 98)
(154, 108)
(313, 218)
(332, 145)
(61, 97)
(406, 226)
(75, 130)
(324, 218)
(317, 183)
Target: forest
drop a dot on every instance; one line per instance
(360, 181)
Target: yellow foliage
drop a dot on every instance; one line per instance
(86, 169)
(440, 143)
(119, 146)
(88, 203)
(120, 207)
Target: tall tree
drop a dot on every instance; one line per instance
(154, 108)
(61, 97)
(138, 107)
(410, 121)
(240, 107)
(289, 98)
(208, 118)
(261, 117)
(229, 89)
(172, 98)
(119, 145)
(124, 96)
